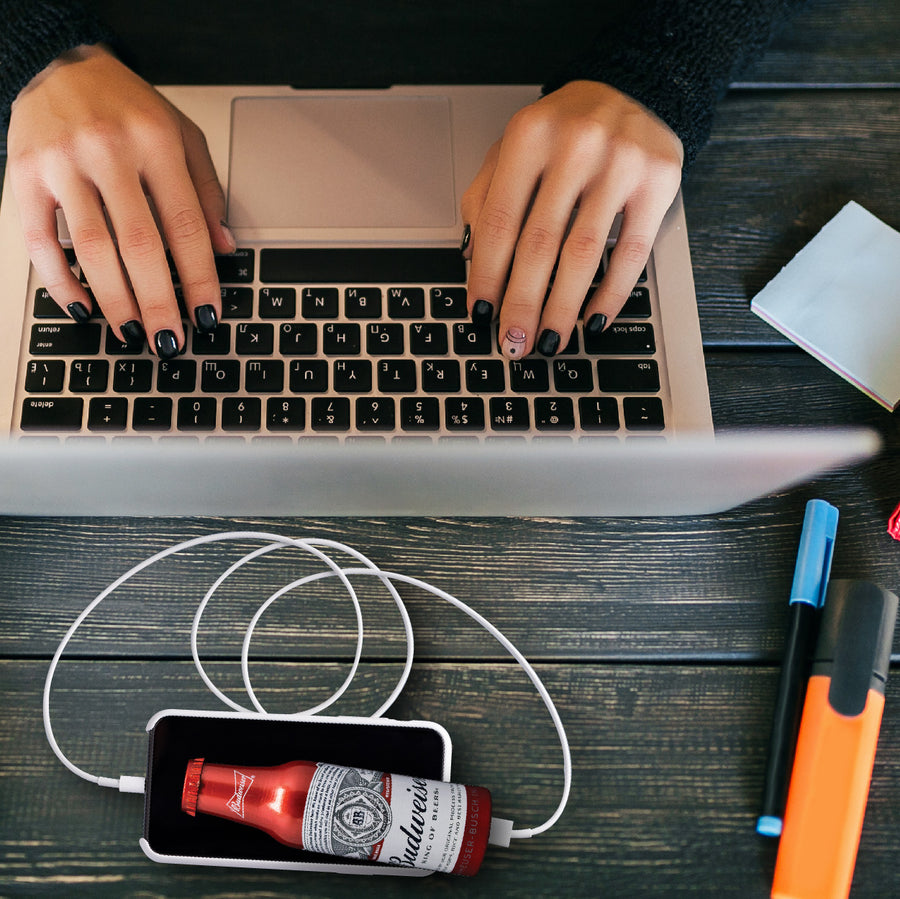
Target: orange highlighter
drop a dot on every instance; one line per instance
(836, 745)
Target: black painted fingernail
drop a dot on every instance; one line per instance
(548, 343)
(166, 344)
(467, 236)
(133, 333)
(79, 312)
(482, 312)
(207, 320)
(595, 324)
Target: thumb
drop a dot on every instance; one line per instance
(209, 190)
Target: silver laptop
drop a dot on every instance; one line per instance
(345, 376)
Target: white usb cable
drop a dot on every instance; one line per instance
(501, 831)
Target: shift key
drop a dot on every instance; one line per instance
(52, 413)
(63, 339)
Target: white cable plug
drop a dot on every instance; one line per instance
(501, 829)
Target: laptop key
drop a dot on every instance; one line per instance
(472, 340)
(133, 375)
(241, 413)
(89, 375)
(152, 413)
(385, 339)
(643, 413)
(598, 413)
(375, 414)
(428, 339)
(254, 339)
(362, 302)
(298, 339)
(448, 302)
(464, 413)
(622, 339)
(529, 376)
(341, 339)
(196, 413)
(277, 302)
(330, 414)
(419, 413)
(237, 302)
(440, 375)
(509, 414)
(557, 414)
(65, 339)
(628, 375)
(286, 414)
(397, 376)
(573, 375)
(237, 267)
(308, 376)
(264, 376)
(485, 376)
(353, 375)
(220, 376)
(52, 413)
(107, 413)
(212, 343)
(406, 302)
(176, 376)
(45, 376)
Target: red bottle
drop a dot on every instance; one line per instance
(350, 812)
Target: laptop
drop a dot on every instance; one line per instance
(345, 376)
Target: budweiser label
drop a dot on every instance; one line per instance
(399, 820)
(242, 783)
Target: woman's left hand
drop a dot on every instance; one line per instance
(546, 197)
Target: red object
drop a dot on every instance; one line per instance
(894, 524)
(349, 812)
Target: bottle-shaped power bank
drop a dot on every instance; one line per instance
(349, 812)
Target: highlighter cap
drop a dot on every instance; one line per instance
(814, 553)
(854, 645)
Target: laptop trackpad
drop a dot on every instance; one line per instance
(341, 162)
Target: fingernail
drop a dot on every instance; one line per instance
(482, 312)
(513, 343)
(133, 333)
(228, 235)
(79, 312)
(548, 343)
(166, 344)
(467, 236)
(207, 320)
(595, 324)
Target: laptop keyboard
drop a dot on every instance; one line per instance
(343, 344)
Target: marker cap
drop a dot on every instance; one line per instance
(814, 553)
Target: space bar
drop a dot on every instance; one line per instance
(362, 265)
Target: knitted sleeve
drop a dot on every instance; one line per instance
(677, 57)
(33, 33)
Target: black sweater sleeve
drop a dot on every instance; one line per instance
(33, 33)
(677, 57)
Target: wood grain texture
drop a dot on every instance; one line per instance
(668, 766)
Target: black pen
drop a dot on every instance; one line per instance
(807, 597)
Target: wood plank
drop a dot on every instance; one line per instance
(668, 765)
(777, 168)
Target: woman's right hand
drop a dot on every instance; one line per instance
(89, 136)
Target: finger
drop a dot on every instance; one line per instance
(99, 260)
(580, 258)
(641, 219)
(141, 250)
(497, 228)
(536, 254)
(473, 199)
(188, 238)
(37, 213)
(209, 189)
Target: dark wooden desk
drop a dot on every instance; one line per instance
(659, 639)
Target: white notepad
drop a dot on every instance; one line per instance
(839, 299)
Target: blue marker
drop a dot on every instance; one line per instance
(807, 598)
